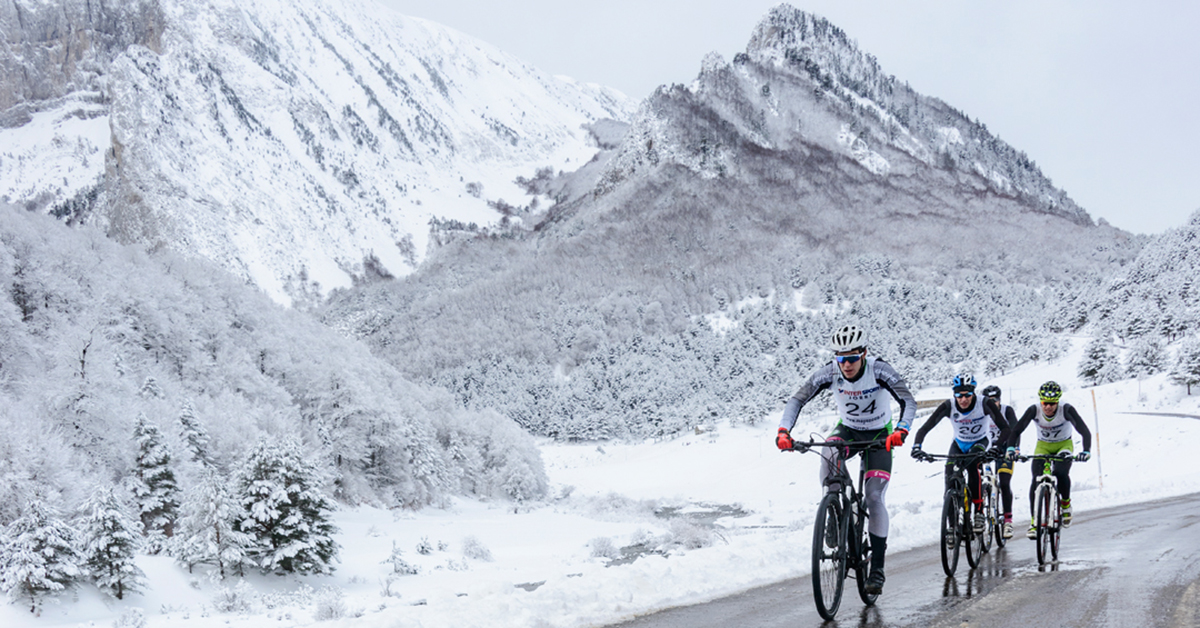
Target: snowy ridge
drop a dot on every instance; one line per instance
(802, 79)
(285, 141)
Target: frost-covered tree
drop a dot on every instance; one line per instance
(109, 542)
(1145, 357)
(285, 511)
(40, 556)
(1185, 371)
(194, 434)
(153, 484)
(151, 389)
(1099, 364)
(208, 529)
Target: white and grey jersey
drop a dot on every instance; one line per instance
(972, 425)
(1062, 425)
(1055, 427)
(863, 404)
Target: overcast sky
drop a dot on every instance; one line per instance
(1102, 95)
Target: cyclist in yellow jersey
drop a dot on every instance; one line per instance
(1056, 423)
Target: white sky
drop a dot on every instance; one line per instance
(1102, 95)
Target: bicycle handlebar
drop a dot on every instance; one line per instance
(983, 454)
(1062, 455)
(969, 457)
(865, 444)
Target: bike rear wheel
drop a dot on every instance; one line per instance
(829, 563)
(1043, 520)
(863, 551)
(950, 529)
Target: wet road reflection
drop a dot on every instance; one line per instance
(1134, 565)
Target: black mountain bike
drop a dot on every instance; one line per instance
(840, 542)
(1047, 507)
(957, 528)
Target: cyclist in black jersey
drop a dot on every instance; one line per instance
(1004, 468)
(1054, 421)
(971, 419)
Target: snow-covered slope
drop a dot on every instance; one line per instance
(1156, 295)
(287, 141)
(694, 518)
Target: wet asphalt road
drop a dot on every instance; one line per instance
(1133, 566)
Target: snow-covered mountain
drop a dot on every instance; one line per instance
(290, 142)
(780, 191)
(803, 85)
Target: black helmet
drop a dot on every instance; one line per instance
(992, 391)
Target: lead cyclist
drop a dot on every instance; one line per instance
(863, 387)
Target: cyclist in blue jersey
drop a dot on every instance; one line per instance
(863, 387)
(970, 417)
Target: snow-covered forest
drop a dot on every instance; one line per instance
(145, 394)
(153, 404)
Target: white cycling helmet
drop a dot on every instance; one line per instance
(848, 338)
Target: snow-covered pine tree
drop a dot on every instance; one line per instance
(194, 434)
(1097, 361)
(286, 512)
(151, 389)
(1145, 357)
(40, 556)
(109, 544)
(208, 530)
(154, 487)
(1186, 369)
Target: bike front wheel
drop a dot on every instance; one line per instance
(950, 528)
(1044, 521)
(829, 555)
(1056, 525)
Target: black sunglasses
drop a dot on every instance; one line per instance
(963, 394)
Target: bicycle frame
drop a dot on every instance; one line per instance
(842, 505)
(1047, 507)
(957, 527)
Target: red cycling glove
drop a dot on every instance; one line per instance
(783, 440)
(896, 438)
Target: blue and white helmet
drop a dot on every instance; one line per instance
(964, 382)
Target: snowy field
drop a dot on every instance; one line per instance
(632, 528)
